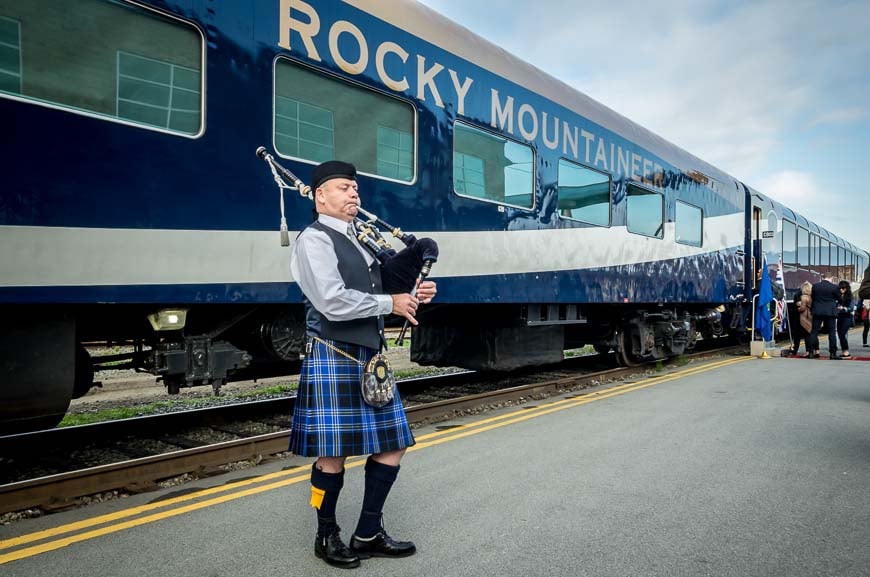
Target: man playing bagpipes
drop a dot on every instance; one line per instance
(347, 294)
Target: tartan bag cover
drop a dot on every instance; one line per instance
(331, 419)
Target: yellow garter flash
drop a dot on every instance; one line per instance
(317, 496)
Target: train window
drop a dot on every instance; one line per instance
(158, 93)
(395, 153)
(645, 212)
(319, 117)
(468, 175)
(144, 69)
(10, 55)
(825, 255)
(775, 246)
(688, 224)
(789, 248)
(584, 194)
(492, 168)
(803, 247)
(850, 265)
(304, 130)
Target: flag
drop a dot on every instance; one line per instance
(782, 306)
(763, 324)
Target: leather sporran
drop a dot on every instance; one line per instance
(378, 384)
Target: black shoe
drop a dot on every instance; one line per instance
(333, 550)
(834, 357)
(381, 545)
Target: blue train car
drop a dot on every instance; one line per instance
(134, 210)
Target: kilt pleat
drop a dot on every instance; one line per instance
(331, 419)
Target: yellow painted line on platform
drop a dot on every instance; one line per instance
(296, 475)
(546, 409)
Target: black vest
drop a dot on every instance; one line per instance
(356, 275)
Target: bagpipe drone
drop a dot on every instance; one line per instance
(401, 271)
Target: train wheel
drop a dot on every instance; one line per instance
(624, 350)
(84, 372)
(38, 364)
(284, 336)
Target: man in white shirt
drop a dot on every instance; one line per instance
(341, 282)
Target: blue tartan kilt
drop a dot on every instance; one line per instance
(331, 419)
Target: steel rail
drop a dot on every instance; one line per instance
(59, 491)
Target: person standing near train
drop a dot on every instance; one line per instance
(801, 329)
(844, 317)
(864, 287)
(341, 283)
(826, 297)
(865, 318)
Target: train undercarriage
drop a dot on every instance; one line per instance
(45, 364)
(507, 337)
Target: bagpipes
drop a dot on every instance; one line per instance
(401, 271)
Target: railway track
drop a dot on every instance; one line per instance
(55, 469)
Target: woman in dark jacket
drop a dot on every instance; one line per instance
(844, 317)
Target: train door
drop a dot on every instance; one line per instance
(763, 229)
(757, 246)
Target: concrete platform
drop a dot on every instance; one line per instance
(737, 467)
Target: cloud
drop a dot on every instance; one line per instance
(844, 116)
(793, 188)
(800, 192)
(725, 81)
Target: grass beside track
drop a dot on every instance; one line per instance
(167, 406)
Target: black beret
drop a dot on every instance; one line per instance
(332, 169)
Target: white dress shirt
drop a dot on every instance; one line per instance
(315, 267)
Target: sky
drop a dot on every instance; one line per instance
(774, 92)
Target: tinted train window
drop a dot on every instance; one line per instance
(492, 168)
(789, 245)
(645, 212)
(304, 130)
(395, 153)
(319, 117)
(825, 253)
(775, 246)
(803, 247)
(159, 93)
(584, 194)
(688, 224)
(849, 271)
(10, 55)
(106, 58)
(468, 175)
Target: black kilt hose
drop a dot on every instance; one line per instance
(331, 419)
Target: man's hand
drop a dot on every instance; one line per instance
(405, 305)
(426, 291)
